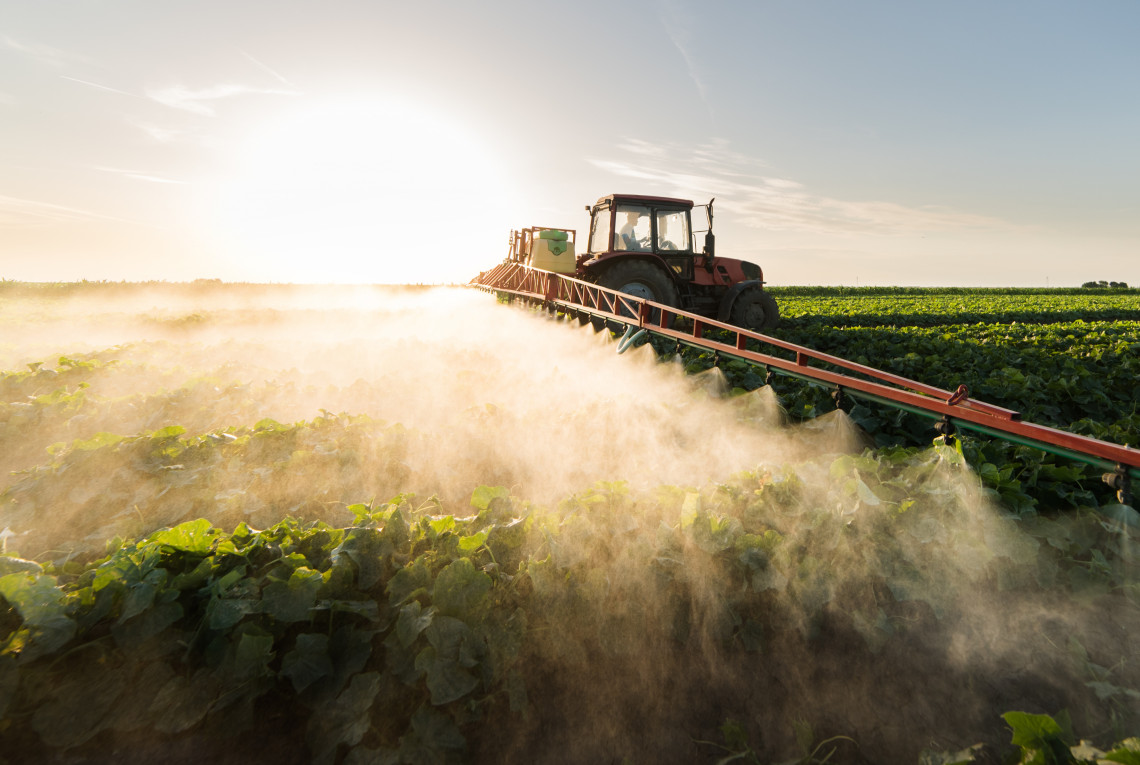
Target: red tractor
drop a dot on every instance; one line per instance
(646, 246)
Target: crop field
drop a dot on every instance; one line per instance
(357, 525)
(1067, 359)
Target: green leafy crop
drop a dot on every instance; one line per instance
(197, 557)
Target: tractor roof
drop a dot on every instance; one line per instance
(639, 198)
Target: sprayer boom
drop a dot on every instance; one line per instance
(638, 317)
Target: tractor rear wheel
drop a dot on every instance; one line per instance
(755, 309)
(641, 279)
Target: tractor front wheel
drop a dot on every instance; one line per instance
(755, 309)
(640, 279)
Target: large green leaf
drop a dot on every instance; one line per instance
(483, 496)
(141, 595)
(368, 549)
(36, 597)
(412, 579)
(194, 537)
(1040, 733)
(308, 662)
(147, 624)
(343, 721)
(41, 606)
(413, 620)
(453, 649)
(472, 542)
(223, 613)
(350, 649)
(460, 588)
(171, 431)
(293, 600)
(396, 529)
(252, 656)
(10, 565)
(446, 680)
(1127, 752)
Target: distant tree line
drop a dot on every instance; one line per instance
(1105, 285)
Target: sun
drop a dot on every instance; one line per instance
(363, 190)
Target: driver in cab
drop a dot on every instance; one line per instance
(627, 236)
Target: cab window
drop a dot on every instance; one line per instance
(633, 228)
(673, 231)
(600, 231)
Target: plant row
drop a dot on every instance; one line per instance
(414, 634)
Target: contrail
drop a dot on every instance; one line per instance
(31, 209)
(265, 68)
(101, 87)
(136, 175)
(675, 31)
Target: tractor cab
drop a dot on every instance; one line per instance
(652, 248)
(657, 227)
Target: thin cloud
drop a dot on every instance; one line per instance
(100, 87)
(775, 203)
(27, 213)
(271, 72)
(167, 134)
(199, 101)
(676, 28)
(643, 148)
(44, 54)
(134, 175)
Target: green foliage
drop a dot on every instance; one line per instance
(1046, 740)
(289, 609)
(1062, 358)
(432, 631)
(391, 636)
(1043, 740)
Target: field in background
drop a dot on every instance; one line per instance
(293, 524)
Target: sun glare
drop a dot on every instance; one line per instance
(363, 191)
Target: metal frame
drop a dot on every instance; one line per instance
(577, 298)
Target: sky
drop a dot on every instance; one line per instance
(883, 142)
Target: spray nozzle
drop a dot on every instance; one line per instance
(946, 429)
(1120, 480)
